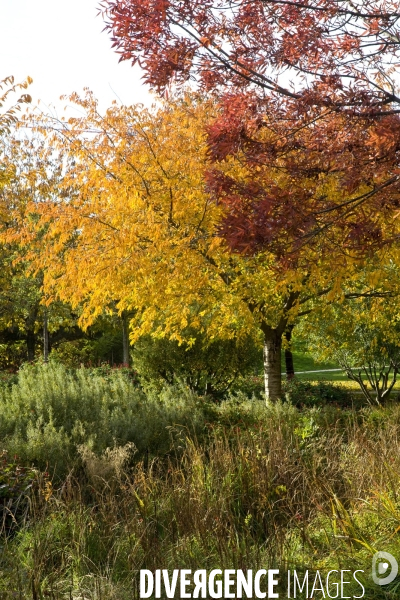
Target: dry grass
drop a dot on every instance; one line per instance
(266, 486)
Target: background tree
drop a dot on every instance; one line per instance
(29, 174)
(8, 118)
(10, 108)
(362, 335)
(8, 105)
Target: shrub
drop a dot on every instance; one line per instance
(7, 378)
(250, 385)
(306, 393)
(363, 336)
(89, 350)
(51, 411)
(12, 354)
(206, 367)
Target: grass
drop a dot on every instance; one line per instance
(303, 361)
(267, 486)
(174, 481)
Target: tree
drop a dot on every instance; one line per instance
(308, 91)
(8, 119)
(20, 310)
(9, 116)
(133, 226)
(363, 336)
(332, 54)
(306, 86)
(29, 173)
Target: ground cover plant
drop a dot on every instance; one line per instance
(237, 484)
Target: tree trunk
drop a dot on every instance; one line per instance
(30, 344)
(125, 340)
(288, 353)
(272, 362)
(31, 337)
(45, 338)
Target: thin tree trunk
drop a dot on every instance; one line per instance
(125, 340)
(30, 344)
(272, 362)
(289, 354)
(45, 338)
(31, 337)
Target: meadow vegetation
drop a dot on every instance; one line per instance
(103, 480)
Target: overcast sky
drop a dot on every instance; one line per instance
(60, 44)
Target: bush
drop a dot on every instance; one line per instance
(7, 378)
(12, 354)
(362, 336)
(306, 393)
(207, 368)
(89, 350)
(300, 393)
(51, 411)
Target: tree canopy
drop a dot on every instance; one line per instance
(308, 87)
(330, 53)
(133, 226)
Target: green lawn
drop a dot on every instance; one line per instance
(305, 362)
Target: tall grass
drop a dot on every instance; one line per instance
(240, 486)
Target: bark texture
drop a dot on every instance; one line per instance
(125, 340)
(289, 354)
(272, 363)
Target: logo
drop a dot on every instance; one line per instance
(381, 562)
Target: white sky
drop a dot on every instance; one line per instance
(60, 44)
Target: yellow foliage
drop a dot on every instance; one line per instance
(132, 228)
